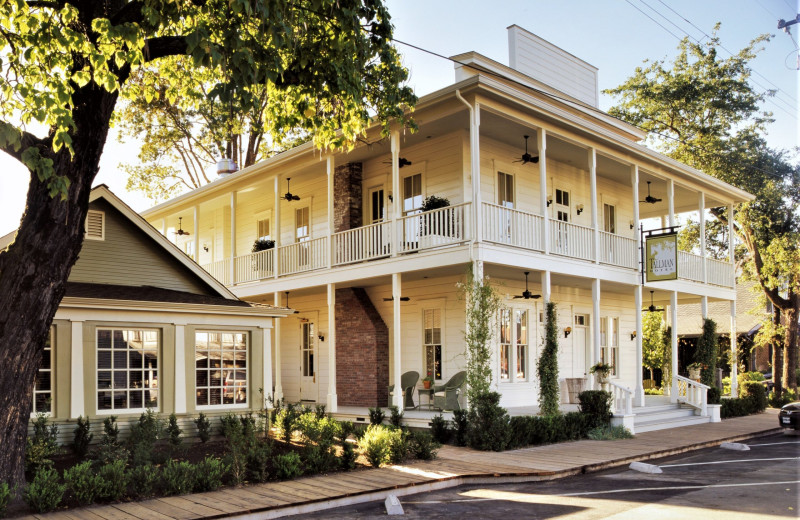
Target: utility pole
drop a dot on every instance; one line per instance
(783, 24)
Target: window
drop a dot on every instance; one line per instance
(505, 190)
(562, 205)
(220, 368)
(505, 344)
(376, 206)
(95, 225)
(189, 248)
(262, 230)
(609, 343)
(127, 369)
(307, 349)
(302, 230)
(521, 337)
(43, 384)
(609, 218)
(432, 339)
(412, 194)
(513, 344)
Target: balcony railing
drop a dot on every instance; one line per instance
(571, 240)
(618, 250)
(438, 227)
(303, 256)
(690, 266)
(720, 272)
(364, 243)
(508, 226)
(255, 266)
(221, 270)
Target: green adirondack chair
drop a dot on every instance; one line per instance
(445, 397)
(407, 383)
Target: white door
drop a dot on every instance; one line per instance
(379, 239)
(580, 358)
(308, 362)
(562, 216)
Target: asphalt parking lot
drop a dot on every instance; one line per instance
(707, 484)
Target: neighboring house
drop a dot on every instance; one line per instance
(374, 278)
(143, 326)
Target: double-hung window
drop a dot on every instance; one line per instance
(514, 343)
(43, 385)
(432, 340)
(127, 369)
(220, 368)
(609, 343)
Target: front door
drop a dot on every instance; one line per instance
(562, 218)
(580, 357)
(308, 362)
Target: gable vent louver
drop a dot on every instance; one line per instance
(95, 225)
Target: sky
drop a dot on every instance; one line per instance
(615, 36)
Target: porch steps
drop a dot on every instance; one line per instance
(662, 417)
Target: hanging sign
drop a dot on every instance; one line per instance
(661, 257)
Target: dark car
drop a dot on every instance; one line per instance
(789, 417)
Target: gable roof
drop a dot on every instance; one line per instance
(750, 312)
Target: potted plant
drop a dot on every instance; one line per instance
(260, 264)
(694, 370)
(601, 371)
(427, 382)
(435, 229)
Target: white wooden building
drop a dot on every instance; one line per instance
(375, 288)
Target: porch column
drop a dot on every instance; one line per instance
(332, 396)
(731, 245)
(266, 367)
(593, 186)
(734, 353)
(477, 270)
(397, 203)
(331, 250)
(475, 166)
(546, 286)
(233, 237)
(196, 246)
(276, 264)
(702, 204)
(673, 313)
(704, 307)
(671, 201)
(278, 378)
(635, 185)
(542, 144)
(76, 397)
(180, 368)
(639, 392)
(164, 226)
(595, 357)
(397, 398)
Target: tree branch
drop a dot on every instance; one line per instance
(162, 46)
(129, 13)
(27, 140)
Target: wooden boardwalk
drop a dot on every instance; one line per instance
(454, 466)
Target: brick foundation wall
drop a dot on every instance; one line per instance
(362, 350)
(347, 212)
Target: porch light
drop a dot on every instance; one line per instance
(631, 223)
(567, 331)
(549, 200)
(579, 207)
(633, 335)
(321, 337)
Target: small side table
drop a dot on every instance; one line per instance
(428, 392)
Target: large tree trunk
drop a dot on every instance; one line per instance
(777, 356)
(35, 268)
(791, 342)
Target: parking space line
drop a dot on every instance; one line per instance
(724, 462)
(774, 443)
(667, 488)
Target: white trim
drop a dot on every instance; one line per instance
(247, 370)
(180, 368)
(159, 370)
(76, 397)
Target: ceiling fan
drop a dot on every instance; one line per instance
(652, 307)
(401, 161)
(650, 199)
(180, 231)
(402, 299)
(289, 196)
(527, 294)
(526, 157)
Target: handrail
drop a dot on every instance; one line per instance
(437, 227)
(622, 398)
(513, 227)
(692, 393)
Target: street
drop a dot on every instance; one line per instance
(706, 484)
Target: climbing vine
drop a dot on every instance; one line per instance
(548, 364)
(706, 352)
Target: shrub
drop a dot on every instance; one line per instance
(83, 436)
(6, 494)
(575, 426)
(756, 394)
(348, 458)
(209, 474)
(596, 404)
(547, 368)
(287, 465)
(143, 479)
(258, 459)
(42, 445)
(376, 445)
(203, 427)
(178, 478)
(714, 395)
(399, 445)
(144, 435)
(248, 425)
(653, 391)
(488, 424)
(262, 244)
(376, 416)
(286, 420)
(229, 424)
(786, 397)
(319, 410)
(460, 426)
(609, 433)
(396, 417)
(110, 429)
(174, 432)
(319, 435)
(706, 352)
(440, 429)
(83, 482)
(346, 428)
(423, 445)
(114, 481)
(45, 492)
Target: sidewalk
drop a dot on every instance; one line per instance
(453, 467)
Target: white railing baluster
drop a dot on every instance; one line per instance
(512, 227)
(622, 399)
(693, 393)
(438, 227)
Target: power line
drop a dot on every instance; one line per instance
(670, 21)
(564, 99)
(654, 20)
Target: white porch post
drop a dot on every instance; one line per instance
(332, 396)
(233, 237)
(704, 307)
(595, 357)
(702, 204)
(164, 226)
(673, 312)
(639, 393)
(276, 265)
(397, 203)
(477, 270)
(180, 368)
(546, 286)
(397, 344)
(475, 166)
(593, 190)
(671, 201)
(734, 353)
(196, 233)
(635, 185)
(76, 397)
(542, 138)
(331, 228)
(266, 367)
(278, 378)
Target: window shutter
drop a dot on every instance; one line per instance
(95, 225)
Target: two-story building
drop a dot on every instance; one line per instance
(539, 180)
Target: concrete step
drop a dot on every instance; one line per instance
(676, 423)
(655, 409)
(674, 414)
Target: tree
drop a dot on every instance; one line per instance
(702, 110)
(706, 352)
(655, 351)
(547, 367)
(64, 66)
(482, 305)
